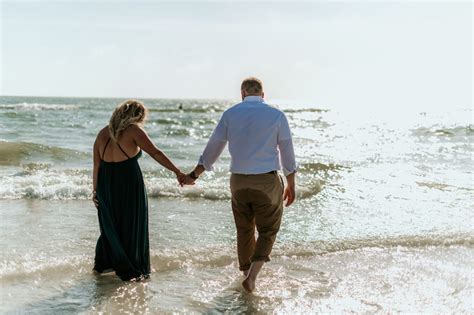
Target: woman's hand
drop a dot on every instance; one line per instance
(188, 180)
(180, 176)
(94, 199)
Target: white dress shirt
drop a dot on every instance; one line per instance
(259, 139)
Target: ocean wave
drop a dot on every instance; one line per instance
(212, 256)
(39, 106)
(191, 121)
(444, 132)
(325, 247)
(16, 153)
(218, 108)
(321, 167)
(218, 256)
(27, 265)
(306, 110)
(188, 109)
(442, 186)
(38, 181)
(42, 181)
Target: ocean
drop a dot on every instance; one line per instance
(383, 220)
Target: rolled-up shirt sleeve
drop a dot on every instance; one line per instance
(285, 146)
(215, 146)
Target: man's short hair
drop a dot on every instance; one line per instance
(252, 86)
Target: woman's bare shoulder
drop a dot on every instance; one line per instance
(103, 134)
(134, 130)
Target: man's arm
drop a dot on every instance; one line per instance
(211, 153)
(288, 161)
(198, 170)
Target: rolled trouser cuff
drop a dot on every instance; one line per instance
(244, 267)
(260, 258)
(253, 259)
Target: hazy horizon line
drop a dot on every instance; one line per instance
(120, 97)
(236, 100)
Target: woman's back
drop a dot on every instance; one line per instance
(112, 151)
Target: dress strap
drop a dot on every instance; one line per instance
(103, 152)
(122, 150)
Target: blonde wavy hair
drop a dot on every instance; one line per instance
(130, 112)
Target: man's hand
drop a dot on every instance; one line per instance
(289, 194)
(188, 180)
(191, 177)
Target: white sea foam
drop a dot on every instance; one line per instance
(46, 184)
(39, 106)
(41, 182)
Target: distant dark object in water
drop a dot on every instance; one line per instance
(180, 106)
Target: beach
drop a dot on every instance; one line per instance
(382, 221)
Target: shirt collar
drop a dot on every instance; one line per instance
(253, 98)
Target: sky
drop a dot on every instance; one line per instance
(331, 54)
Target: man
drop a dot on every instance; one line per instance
(260, 144)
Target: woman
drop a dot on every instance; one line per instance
(119, 192)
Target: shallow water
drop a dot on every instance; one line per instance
(383, 220)
(51, 270)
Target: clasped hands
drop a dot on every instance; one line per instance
(184, 179)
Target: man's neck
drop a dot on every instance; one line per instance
(253, 98)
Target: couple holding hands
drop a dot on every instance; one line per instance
(260, 145)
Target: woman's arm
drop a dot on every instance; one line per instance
(95, 171)
(142, 140)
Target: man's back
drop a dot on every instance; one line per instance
(253, 131)
(257, 134)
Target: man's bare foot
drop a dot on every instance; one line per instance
(246, 273)
(248, 284)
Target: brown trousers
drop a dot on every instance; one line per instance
(257, 201)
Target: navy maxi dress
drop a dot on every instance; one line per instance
(123, 245)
